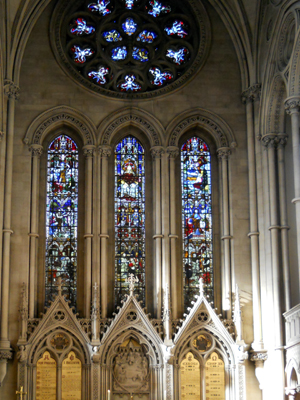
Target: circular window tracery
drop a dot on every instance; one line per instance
(131, 48)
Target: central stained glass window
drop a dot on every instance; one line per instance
(196, 218)
(129, 217)
(61, 218)
(129, 39)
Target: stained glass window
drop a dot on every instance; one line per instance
(139, 38)
(141, 55)
(61, 217)
(196, 218)
(129, 217)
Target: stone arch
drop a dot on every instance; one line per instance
(200, 118)
(40, 344)
(294, 75)
(284, 37)
(141, 335)
(276, 112)
(221, 345)
(292, 376)
(128, 117)
(56, 118)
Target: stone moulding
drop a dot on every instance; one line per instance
(57, 117)
(128, 117)
(212, 123)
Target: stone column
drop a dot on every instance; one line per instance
(270, 141)
(12, 92)
(157, 153)
(292, 105)
(165, 239)
(283, 221)
(173, 153)
(105, 152)
(251, 95)
(36, 152)
(88, 151)
(223, 154)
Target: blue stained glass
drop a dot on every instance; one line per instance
(129, 3)
(140, 54)
(159, 77)
(129, 84)
(146, 37)
(196, 217)
(178, 57)
(82, 28)
(177, 30)
(112, 36)
(81, 54)
(99, 75)
(100, 7)
(129, 217)
(119, 53)
(61, 217)
(158, 8)
(129, 26)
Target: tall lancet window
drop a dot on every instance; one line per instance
(129, 217)
(196, 218)
(61, 217)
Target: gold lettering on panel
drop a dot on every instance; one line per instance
(71, 378)
(46, 378)
(215, 378)
(190, 378)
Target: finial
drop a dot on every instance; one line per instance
(201, 287)
(131, 280)
(21, 393)
(59, 285)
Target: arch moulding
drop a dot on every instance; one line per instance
(58, 117)
(129, 117)
(200, 118)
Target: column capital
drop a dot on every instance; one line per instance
(157, 152)
(252, 93)
(282, 140)
(292, 105)
(104, 150)
(36, 150)
(258, 355)
(270, 140)
(11, 90)
(89, 150)
(223, 153)
(173, 151)
(6, 354)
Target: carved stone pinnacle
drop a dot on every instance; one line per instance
(132, 280)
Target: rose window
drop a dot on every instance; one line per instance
(127, 48)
